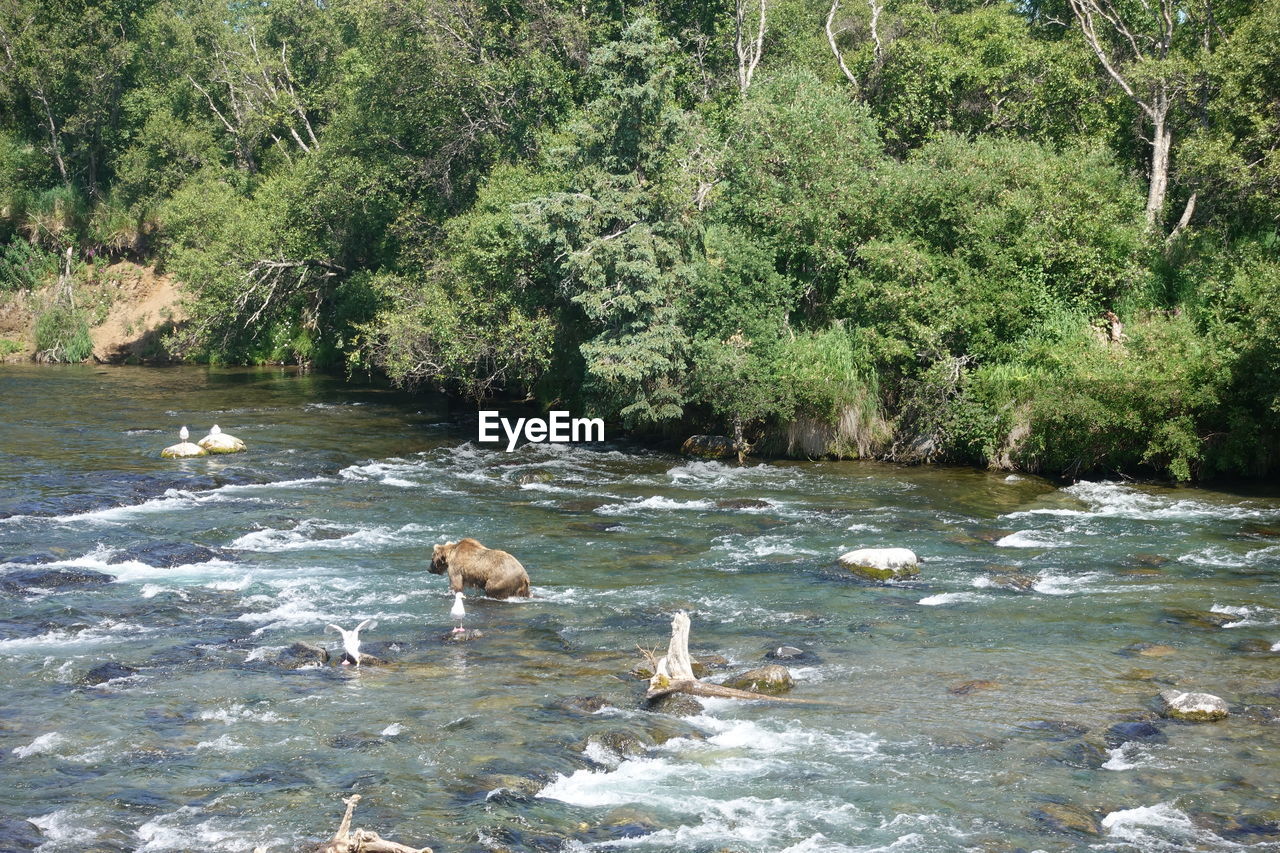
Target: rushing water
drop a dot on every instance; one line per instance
(967, 710)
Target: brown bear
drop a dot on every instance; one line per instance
(469, 563)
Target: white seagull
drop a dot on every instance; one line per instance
(351, 641)
(183, 434)
(215, 430)
(458, 611)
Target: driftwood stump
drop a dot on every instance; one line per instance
(360, 841)
(673, 673)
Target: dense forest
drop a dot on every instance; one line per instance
(1037, 235)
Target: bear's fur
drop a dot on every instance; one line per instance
(468, 563)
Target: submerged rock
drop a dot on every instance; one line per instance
(1134, 730)
(772, 679)
(1016, 581)
(531, 477)
(24, 579)
(166, 555)
(17, 834)
(622, 743)
(1084, 755)
(104, 672)
(964, 688)
(461, 636)
(1205, 619)
(30, 559)
(302, 654)
(708, 446)
(741, 503)
(1256, 646)
(183, 450)
(881, 564)
(1148, 650)
(1060, 817)
(218, 441)
(1193, 707)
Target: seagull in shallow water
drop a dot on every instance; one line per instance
(183, 434)
(351, 641)
(458, 611)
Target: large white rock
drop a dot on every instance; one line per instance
(183, 450)
(218, 441)
(882, 563)
(1195, 707)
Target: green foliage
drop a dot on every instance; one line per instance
(9, 347)
(24, 266)
(62, 334)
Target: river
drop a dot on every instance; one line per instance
(970, 709)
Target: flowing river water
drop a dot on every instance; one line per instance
(989, 705)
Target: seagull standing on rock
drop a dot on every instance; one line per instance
(458, 611)
(351, 641)
(183, 434)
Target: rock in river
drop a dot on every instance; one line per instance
(218, 441)
(302, 654)
(24, 579)
(881, 564)
(772, 679)
(1133, 730)
(1193, 707)
(708, 446)
(104, 672)
(1064, 818)
(166, 555)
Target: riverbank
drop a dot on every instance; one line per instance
(130, 308)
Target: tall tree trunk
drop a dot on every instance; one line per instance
(1161, 145)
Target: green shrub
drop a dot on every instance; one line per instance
(9, 346)
(62, 335)
(24, 266)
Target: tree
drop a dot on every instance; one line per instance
(1144, 48)
(619, 241)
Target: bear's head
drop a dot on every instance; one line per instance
(440, 558)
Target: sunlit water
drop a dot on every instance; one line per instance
(1030, 591)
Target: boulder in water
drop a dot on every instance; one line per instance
(677, 705)
(302, 654)
(23, 579)
(18, 834)
(1134, 730)
(771, 679)
(1193, 707)
(1061, 817)
(882, 564)
(183, 450)
(1206, 619)
(792, 653)
(218, 441)
(708, 446)
(529, 478)
(1254, 645)
(166, 555)
(110, 671)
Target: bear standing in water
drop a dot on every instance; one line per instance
(469, 563)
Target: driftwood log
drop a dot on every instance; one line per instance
(673, 673)
(360, 841)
